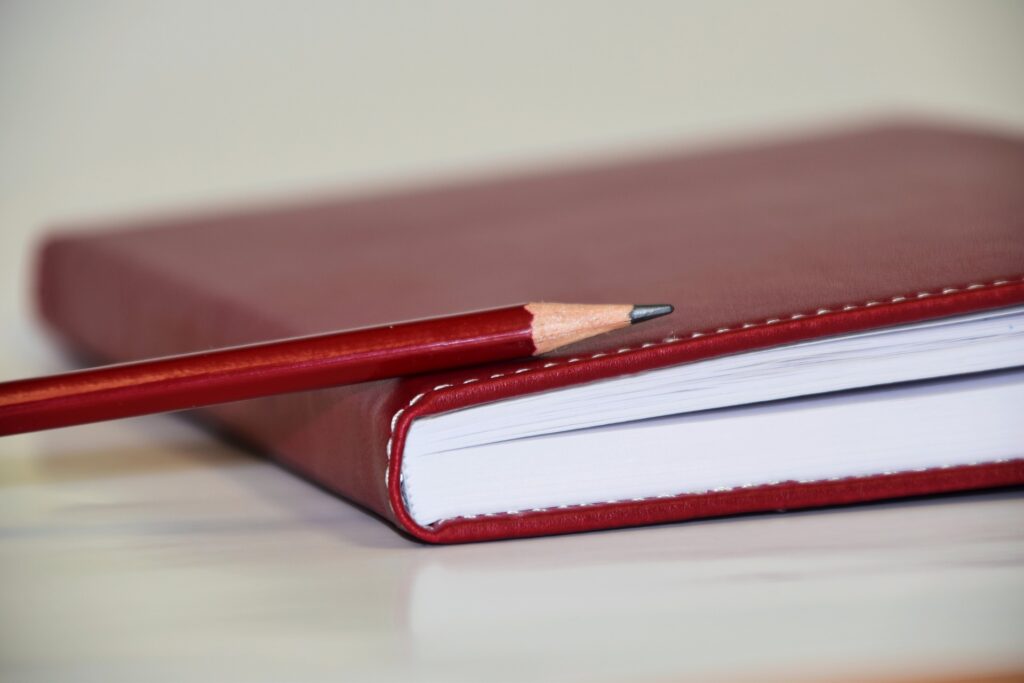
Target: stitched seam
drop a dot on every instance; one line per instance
(945, 291)
(725, 489)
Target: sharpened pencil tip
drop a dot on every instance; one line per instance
(642, 312)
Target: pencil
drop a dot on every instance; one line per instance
(305, 363)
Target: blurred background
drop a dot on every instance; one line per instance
(112, 108)
(131, 543)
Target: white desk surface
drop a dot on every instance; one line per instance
(148, 550)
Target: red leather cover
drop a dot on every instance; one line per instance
(756, 246)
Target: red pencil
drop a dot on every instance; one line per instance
(303, 363)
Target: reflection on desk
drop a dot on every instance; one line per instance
(148, 546)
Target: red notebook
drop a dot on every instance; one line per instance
(848, 328)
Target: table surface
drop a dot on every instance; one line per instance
(149, 550)
(148, 547)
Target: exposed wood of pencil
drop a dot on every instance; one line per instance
(304, 363)
(557, 325)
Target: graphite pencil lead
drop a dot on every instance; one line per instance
(642, 312)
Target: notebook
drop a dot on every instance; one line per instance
(849, 327)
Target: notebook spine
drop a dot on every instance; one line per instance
(109, 308)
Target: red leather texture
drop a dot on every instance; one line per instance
(756, 247)
(256, 370)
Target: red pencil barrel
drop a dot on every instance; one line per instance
(245, 372)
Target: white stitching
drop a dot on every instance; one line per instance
(671, 340)
(727, 489)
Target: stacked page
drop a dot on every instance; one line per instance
(941, 393)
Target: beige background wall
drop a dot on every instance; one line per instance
(112, 107)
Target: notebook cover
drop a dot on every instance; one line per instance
(756, 246)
